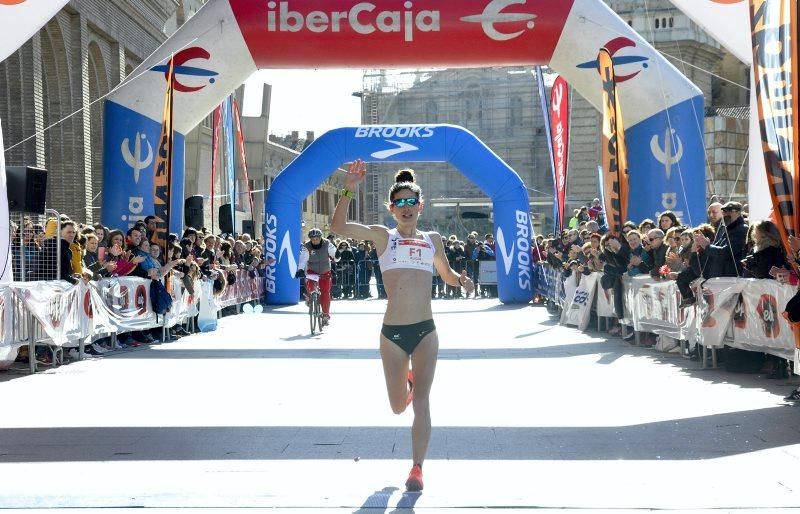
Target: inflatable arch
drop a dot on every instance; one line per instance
(227, 40)
(400, 143)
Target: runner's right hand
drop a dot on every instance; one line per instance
(355, 174)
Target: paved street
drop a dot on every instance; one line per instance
(526, 414)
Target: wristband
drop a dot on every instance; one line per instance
(348, 193)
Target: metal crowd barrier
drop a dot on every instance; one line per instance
(21, 328)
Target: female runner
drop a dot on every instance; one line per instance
(406, 257)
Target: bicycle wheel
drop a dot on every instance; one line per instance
(312, 315)
(318, 309)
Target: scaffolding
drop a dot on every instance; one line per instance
(500, 105)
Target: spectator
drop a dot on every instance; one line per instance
(595, 210)
(150, 225)
(488, 240)
(646, 226)
(727, 251)
(615, 258)
(668, 220)
(639, 259)
(92, 261)
(695, 262)
(573, 221)
(657, 251)
(714, 214)
(767, 251)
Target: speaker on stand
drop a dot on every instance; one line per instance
(27, 189)
(193, 212)
(225, 219)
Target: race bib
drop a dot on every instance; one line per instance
(414, 253)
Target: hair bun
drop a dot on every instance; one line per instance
(406, 175)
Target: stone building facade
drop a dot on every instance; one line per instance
(501, 106)
(51, 90)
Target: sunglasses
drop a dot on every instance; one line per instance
(402, 202)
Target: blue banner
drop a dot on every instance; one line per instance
(129, 151)
(400, 143)
(666, 164)
(227, 125)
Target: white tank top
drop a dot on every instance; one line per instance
(407, 253)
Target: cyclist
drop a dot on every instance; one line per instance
(407, 257)
(315, 258)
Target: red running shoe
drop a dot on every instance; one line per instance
(410, 388)
(414, 482)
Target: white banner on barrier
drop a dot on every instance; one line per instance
(715, 307)
(579, 309)
(55, 305)
(757, 321)
(568, 287)
(657, 310)
(605, 301)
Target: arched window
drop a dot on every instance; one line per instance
(671, 21)
(657, 22)
(663, 22)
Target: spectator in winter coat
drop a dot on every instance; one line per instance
(657, 251)
(767, 251)
(728, 248)
(640, 260)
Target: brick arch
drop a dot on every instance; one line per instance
(63, 183)
(98, 87)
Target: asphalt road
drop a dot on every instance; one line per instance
(526, 413)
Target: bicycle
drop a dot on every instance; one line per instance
(314, 307)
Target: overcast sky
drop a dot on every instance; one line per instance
(317, 100)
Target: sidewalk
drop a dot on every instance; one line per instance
(526, 414)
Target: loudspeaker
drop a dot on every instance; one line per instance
(193, 211)
(27, 188)
(225, 219)
(249, 227)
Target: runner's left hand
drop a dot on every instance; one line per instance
(466, 282)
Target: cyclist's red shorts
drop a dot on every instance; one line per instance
(324, 288)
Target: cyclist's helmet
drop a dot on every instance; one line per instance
(314, 232)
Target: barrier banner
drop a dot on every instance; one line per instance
(614, 152)
(757, 321)
(715, 306)
(95, 317)
(244, 289)
(630, 288)
(126, 301)
(578, 311)
(184, 304)
(657, 309)
(559, 131)
(567, 291)
(548, 281)
(55, 305)
(605, 301)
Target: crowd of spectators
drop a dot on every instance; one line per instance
(64, 249)
(725, 244)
